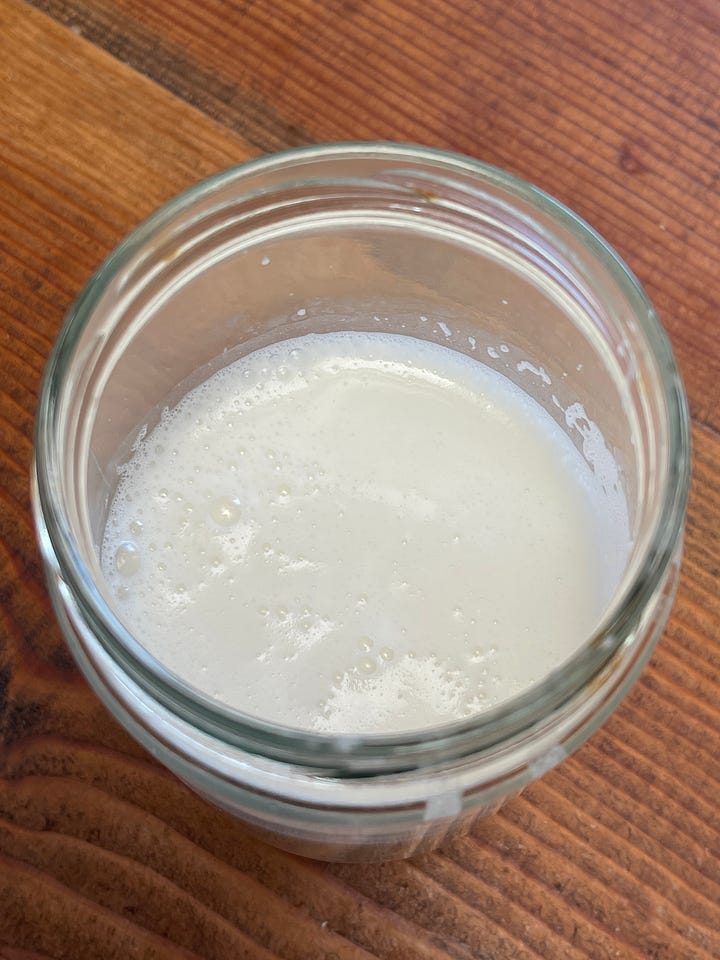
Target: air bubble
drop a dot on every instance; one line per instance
(225, 511)
(127, 559)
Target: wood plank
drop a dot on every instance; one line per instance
(102, 852)
(76, 175)
(611, 107)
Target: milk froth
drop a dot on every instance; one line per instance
(356, 532)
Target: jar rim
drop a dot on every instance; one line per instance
(366, 753)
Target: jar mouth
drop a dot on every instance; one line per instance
(362, 754)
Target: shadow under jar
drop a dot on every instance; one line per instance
(369, 238)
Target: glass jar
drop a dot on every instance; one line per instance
(366, 237)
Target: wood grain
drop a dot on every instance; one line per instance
(107, 109)
(611, 107)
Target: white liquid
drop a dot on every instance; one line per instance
(361, 533)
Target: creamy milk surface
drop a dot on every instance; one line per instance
(358, 532)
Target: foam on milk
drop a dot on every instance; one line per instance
(356, 532)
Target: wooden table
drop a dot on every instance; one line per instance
(108, 108)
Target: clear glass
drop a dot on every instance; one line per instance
(366, 237)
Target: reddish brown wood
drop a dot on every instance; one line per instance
(610, 106)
